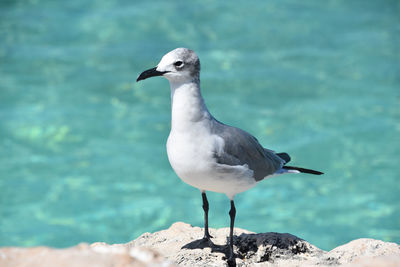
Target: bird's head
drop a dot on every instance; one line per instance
(179, 66)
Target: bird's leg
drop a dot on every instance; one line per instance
(232, 214)
(205, 208)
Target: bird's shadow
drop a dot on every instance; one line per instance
(207, 243)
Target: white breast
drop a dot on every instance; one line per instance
(191, 151)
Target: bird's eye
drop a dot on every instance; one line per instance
(178, 63)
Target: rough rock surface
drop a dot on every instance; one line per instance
(182, 245)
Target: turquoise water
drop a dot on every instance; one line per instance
(82, 146)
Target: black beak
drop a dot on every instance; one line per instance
(150, 73)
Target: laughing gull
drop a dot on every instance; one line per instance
(204, 152)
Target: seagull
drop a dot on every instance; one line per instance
(206, 153)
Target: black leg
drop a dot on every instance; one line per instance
(232, 214)
(205, 208)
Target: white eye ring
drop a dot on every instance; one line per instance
(178, 63)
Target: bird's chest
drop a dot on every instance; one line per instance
(191, 152)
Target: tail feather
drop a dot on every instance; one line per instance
(303, 170)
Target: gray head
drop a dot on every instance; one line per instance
(180, 65)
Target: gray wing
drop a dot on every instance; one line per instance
(243, 148)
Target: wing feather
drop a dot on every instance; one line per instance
(242, 148)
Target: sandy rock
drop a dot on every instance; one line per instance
(183, 245)
(366, 252)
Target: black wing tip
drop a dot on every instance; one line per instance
(303, 170)
(284, 156)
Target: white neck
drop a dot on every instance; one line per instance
(188, 105)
